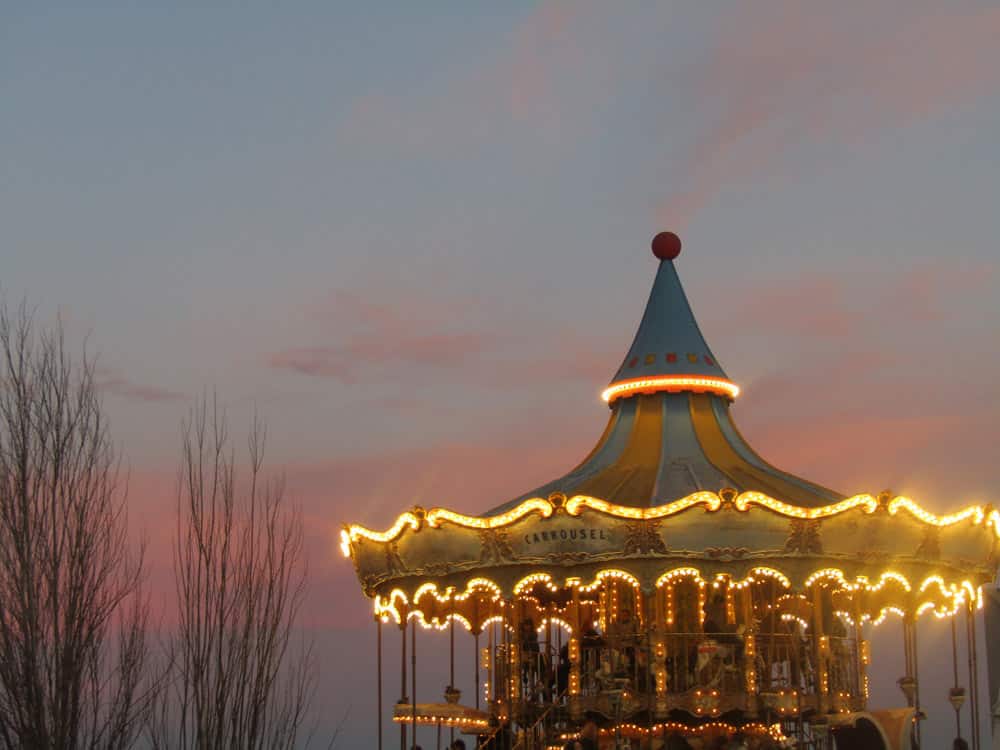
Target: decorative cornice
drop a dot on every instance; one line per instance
(415, 519)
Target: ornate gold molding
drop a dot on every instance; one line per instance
(415, 519)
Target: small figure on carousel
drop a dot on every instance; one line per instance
(624, 640)
(530, 655)
(591, 644)
(562, 670)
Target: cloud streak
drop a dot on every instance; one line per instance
(363, 341)
(347, 362)
(376, 338)
(116, 384)
(540, 76)
(787, 75)
(821, 305)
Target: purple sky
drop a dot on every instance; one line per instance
(416, 239)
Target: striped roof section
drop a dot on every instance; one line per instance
(661, 447)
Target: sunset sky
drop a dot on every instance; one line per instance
(414, 237)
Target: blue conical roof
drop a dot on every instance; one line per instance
(668, 341)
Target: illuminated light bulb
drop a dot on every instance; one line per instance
(345, 543)
(975, 512)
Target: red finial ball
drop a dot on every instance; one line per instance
(666, 246)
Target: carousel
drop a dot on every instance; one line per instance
(674, 587)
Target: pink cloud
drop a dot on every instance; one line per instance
(380, 336)
(785, 75)
(539, 74)
(813, 305)
(151, 504)
(928, 292)
(347, 362)
(382, 312)
(471, 474)
(867, 383)
(543, 42)
(119, 385)
(856, 310)
(939, 457)
(362, 340)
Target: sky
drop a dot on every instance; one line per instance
(414, 238)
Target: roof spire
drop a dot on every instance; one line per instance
(669, 353)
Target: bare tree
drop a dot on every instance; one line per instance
(73, 651)
(237, 680)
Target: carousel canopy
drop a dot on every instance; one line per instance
(673, 487)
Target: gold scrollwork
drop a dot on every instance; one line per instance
(803, 537)
(495, 546)
(643, 537)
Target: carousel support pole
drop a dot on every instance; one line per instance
(975, 668)
(955, 690)
(514, 654)
(860, 651)
(658, 655)
(555, 664)
(503, 665)
(906, 683)
(555, 640)
(402, 686)
(475, 667)
(821, 644)
(972, 678)
(451, 676)
(558, 640)
(749, 651)
(413, 678)
(575, 706)
(548, 656)
(648, 678)
(916, 675)
(491, 682)
(378, 691)
(907, 660)
(475, 654)
(773, 609)
(633, 638)
(651, 669)
(970, 626)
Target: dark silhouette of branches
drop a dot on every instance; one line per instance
(236, 678)
(73, 616)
